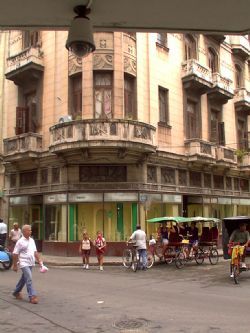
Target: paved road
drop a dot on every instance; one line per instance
(196, 299)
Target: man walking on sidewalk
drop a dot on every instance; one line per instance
(26, 253)
(140, 237)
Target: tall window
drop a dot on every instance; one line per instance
(190, 47)
(163, 105)
(129, 97)
(238, 76)
(162, 39)
(217, 132)
(76, 86)
(242, 134)
(192, 120)
(213, 60)
(31, 39)
(103, 95)
(27, 118)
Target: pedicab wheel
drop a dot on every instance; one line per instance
(180, 260)
(213, 257)
(199, 257)
(236, 274)
(150, 260)
(127, 258)
(169, 256)
(7, 264)
(134, 264)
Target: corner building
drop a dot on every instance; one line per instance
(148, 125)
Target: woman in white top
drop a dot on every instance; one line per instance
(14, 236)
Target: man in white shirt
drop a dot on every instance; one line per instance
(140, 237)
(3, 232)
(24, 256)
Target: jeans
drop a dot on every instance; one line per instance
(143, 257)
(26, 278)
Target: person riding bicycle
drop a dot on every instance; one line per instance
(241, 236)
(192, 234)
(140, 238)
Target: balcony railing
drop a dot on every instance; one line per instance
(226, 155)
(193, 67)
(246, 161)
(222, 83)
(24, 143)
(242, 100)
(240, 46)
(78, 134)
(199, 150)
(30, 55)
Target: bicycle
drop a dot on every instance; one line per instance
(236, 261)
(211, 253)
(169, 254)
(186, 254)
(131, 257)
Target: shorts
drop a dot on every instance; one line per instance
(86, 252)
(165, 241)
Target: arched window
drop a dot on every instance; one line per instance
(213, 60)
(190, 47)
(238, 76)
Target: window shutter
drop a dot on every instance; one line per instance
(248, 141)
(221, 134)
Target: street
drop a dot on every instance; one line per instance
(195, 299)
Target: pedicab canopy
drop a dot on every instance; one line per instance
(180, 219)
(229, 224)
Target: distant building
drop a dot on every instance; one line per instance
(148, 125)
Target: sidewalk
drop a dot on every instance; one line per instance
(77, 261)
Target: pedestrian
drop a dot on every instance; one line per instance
(100, 245)
(140, 241)
(14, 235)
(3, 232)
(84, 249)
(24, 256)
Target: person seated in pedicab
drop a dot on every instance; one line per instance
(183, 229)
(165, 230)
(152, 244)
(193, 235)
(241, 236)
(214, 233)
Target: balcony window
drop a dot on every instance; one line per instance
(192, 120)
(55, 177)
(219, 182)
(244, 185)
(162, 40)
(151, 174)
(28, 178)
(102, 173)
(129, 97)
(242, 134)
(182, 177)
(236, 184)
(103, 92)
(12, 180)
(229, 183)
(44, 176)
(207, 180)
(213, 60)
(76, 96)
(168, 176)
(31, 39)
(163, 105)
(190, 47)
(195, 179)
(217, 130)
(238, 77)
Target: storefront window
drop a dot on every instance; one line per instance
(55, 223)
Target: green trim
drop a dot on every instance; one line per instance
(72, 212)
(134, 216)
(120, 224)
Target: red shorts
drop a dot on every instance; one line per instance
(100, 252)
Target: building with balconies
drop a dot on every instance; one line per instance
(148, 125)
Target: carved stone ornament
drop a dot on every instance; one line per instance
(129, 65)
(75, 64)
(103, 61)
(168, 176)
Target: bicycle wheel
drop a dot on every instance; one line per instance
(199, 256)
(180, 260)
(213, 256)
(169, 256)
(150, 260)
(236, 273)
(127, 258)
(135, 261)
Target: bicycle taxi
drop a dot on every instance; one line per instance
(181, 247)
(235, 251)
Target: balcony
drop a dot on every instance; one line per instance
(200, 152)
(129, 135)
(23, 146)
(242, 101)
(222, 89)
(240, 46)
(226, 157)
(25, 66)
(196, 77)
(245, 163)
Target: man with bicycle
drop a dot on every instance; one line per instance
(241, 236)
(140, 238)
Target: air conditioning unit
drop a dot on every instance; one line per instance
(65, 119)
